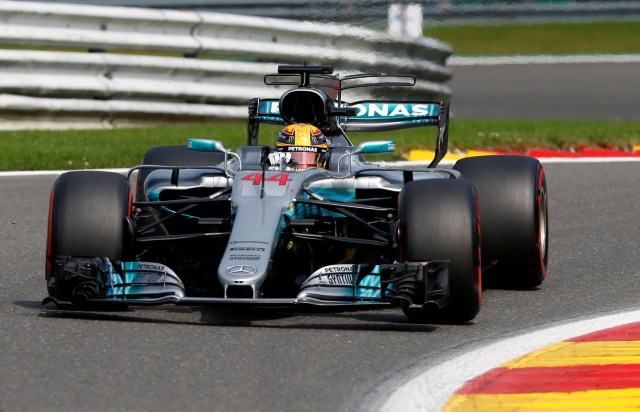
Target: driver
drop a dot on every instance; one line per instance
(301, 146)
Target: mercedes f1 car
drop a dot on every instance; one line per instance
(201, 224)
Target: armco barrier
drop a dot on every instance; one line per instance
(94, 80)
(375, 12)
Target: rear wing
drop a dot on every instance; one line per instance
(380, 116)
(370, 116)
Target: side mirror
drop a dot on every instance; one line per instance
(215, 146)
(206, 145)
(382, 146)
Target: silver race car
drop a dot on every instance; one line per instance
(304, 221)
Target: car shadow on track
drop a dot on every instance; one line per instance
(378, 320)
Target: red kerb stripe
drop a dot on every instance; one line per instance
(619, 333)
(553, 379)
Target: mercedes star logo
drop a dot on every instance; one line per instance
(241, 270)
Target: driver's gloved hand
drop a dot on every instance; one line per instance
(275, 158)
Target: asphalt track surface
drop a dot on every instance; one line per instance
(169, 358)
(589, 91)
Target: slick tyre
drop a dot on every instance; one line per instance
(88, 214)
(174, 156)
(439, 220)
(515, 234)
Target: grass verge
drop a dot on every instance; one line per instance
(603, 37)
(90, 149)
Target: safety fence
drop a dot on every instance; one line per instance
(67, 65)
(375, 12)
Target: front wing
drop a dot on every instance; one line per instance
(99, 281)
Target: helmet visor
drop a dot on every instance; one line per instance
(305, 156)
(305, 159)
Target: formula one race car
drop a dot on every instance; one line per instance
(304, 222)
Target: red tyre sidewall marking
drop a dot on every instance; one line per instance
(400, 248)
(543, 265)
(48, 258)
(130, 203)
(479, 253)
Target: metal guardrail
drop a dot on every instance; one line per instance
(71, 87)
(374, 12)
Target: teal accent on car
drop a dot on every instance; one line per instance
(369, 286)
(269, 111)
(206, 145)
(375, 147)
(396, 111)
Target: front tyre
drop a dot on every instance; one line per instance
(88, 213)
(439, 220)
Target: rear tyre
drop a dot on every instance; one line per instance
(87, 218)
(180, 156)
(439, 220)
(513, 195)
(174, 156)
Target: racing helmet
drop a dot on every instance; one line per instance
(306, 144)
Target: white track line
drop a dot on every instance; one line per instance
(431, 389)
(528, 60)
(447, 162)
(51, 172)
(589, 160)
